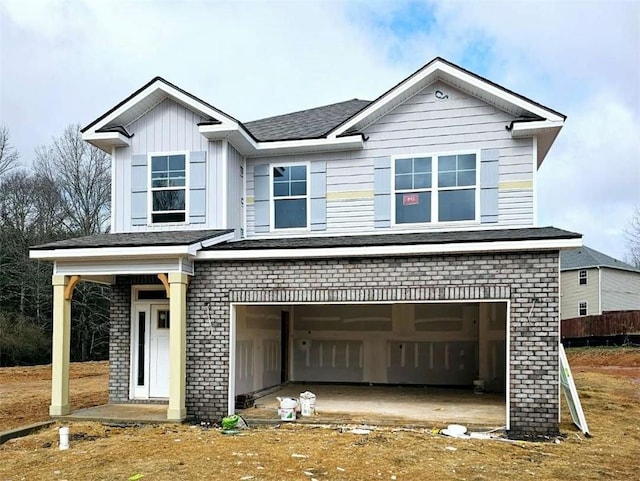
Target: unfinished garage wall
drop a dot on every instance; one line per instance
(518, 277)
(257, 348)
(433, 343)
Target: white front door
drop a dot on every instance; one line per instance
(150, 348)
(159, 351)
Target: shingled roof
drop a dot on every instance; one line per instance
(305, 124)
(585, 258)
(135, 239)
(493, 235)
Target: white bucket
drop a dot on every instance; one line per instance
(478, 386)
(64, 437)
(307, 403)
(287, 409)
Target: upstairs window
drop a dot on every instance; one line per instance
(168, 188)
(290, 199)
(582, 308)
(582, 278)
(435, 189)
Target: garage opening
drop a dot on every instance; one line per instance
(374, 362)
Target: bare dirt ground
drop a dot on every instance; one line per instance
(608, 381)
(25, 391)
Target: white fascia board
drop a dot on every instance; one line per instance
(527, 129)
(217, 240)
(353, 142)
(103, 252)
(392, 250)
(432, 72)
(248, 147)
(113, 139)
(170, 91)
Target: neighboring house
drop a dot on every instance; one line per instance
(592, 283)
(391, 241)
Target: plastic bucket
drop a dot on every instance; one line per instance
(287, 409)
(307, 403)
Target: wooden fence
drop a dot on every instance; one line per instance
(613, 323)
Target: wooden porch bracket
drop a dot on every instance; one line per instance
(68, 290)
(165, 282)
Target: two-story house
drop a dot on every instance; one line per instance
(592, 283)
(390, 241)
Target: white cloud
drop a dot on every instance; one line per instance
(69, 61)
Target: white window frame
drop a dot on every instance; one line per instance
(272, 199)
(435, 189)
(585, 277)
(586, 308)
(151, 190)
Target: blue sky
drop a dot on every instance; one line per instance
(69, 61)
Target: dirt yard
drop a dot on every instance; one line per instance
(608, 381)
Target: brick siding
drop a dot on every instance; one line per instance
(519, 277)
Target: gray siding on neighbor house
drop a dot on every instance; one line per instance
(620, 290)
(572, 293)
(422, 125)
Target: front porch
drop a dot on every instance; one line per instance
(120, 413)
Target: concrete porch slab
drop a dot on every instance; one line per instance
(384, 405)
(120, 413)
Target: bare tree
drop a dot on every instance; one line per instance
(80, 173)
(8, 154)
(632, 234)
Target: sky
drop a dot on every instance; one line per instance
(64, 62)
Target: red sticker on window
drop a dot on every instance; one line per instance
(410, 199)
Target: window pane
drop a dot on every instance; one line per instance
(281, 173)
(176, 162)
(413, 207)
(447, 163)
(299, 188)
(467, 161)
(280, 189)
(168, 200)
(422, 165)
(159, 163)
(447, 179)
(290, 213)
(467, 177)
(403, 166)
(298, 172)
(403, 182)
(457, 205)
(422, 181)
(159, 179)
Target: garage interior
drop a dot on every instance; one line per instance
(374, 363)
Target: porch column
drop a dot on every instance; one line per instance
(177, 346)
(60, 347)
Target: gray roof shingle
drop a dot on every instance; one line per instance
(305, 124)
(135, 239)
(586, 257)
(535, 233)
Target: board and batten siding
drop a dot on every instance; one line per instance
(422, 125)
(572, 293)
(620, 290)
(168, 127)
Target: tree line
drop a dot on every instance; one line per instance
(64, 193)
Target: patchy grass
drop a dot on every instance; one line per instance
(99, 452)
